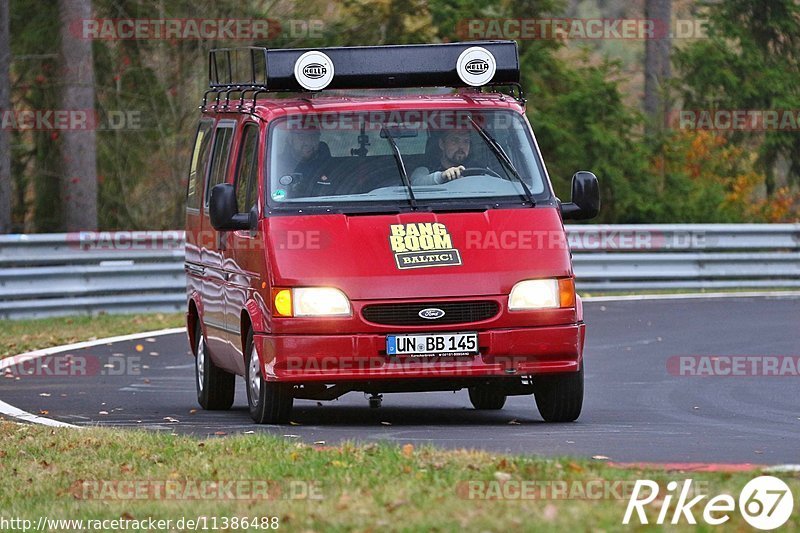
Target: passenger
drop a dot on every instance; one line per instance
(454, 146)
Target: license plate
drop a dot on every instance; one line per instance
(440, 344)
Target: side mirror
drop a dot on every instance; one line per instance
(223, 211)
(585, 202)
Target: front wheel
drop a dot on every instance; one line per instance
(269, 402)
(559, 397)
(215, 387)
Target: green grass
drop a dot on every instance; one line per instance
(365, 487)
(18, 336)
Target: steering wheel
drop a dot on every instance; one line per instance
(480, 171)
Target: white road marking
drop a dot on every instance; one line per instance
(14, 412)
(19, 414)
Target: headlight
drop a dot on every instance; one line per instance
(311, 301)
(542, 294)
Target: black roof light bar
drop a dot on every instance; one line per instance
(258, 70)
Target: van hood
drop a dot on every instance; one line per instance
(417, 255)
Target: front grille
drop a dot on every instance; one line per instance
(408, 314)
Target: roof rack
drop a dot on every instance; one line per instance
(259, 70)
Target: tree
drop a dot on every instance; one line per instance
(5, 106)
(657, 62)
(78, 146)
(750, 61)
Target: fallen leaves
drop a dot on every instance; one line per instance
(392, 506)
(344, 501)
(575, 467)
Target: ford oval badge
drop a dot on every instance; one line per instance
(431, 313)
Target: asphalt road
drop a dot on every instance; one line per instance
(637, 408)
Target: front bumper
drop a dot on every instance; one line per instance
(337, 358)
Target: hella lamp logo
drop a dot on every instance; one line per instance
(477, 66)
(431, 313)
(314, 71)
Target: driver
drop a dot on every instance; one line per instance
(307, 161)
(454, 146)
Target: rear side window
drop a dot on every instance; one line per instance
(219, 163)
(247, 174)
(199, 165)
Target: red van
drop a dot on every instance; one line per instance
(378, 219)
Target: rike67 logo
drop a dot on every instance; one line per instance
(765, 503)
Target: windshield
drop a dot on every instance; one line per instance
(401, 158)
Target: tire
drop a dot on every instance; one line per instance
(215, 387)
(486, 398)
(559, 397)
(269, 402)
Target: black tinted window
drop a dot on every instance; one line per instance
(199, 164)
(219, 163)
(247, 174)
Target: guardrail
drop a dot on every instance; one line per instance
(685, 256)
(63, 274)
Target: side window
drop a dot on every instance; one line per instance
(219, 163)
(247, 172)
(199, 165)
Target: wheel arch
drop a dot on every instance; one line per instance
(192, 324)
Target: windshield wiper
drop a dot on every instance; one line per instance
(400, 165)
(503, 157)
